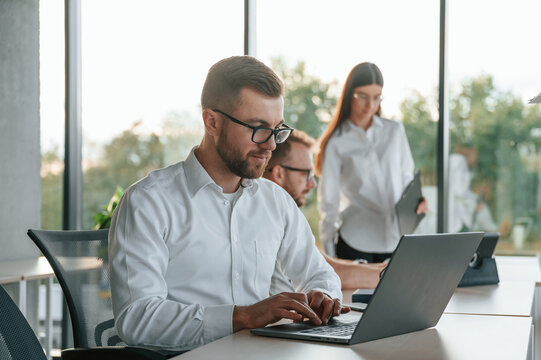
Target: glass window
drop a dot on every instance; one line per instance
(495, 153)
(144, 65)
(318, 42)
(52, 111)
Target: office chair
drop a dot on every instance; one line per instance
(17, 339)
(79, 260)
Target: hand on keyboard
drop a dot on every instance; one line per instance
(324, 306)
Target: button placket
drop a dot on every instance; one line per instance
(236, 263)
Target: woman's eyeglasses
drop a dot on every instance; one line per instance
(365, 99)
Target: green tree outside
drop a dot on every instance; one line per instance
(505, 132)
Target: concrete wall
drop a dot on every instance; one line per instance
(20, 183)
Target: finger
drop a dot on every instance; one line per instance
(327, 310)
(317, 299)
(302, 309)
(300, 297)
(337, 309)
(345, 309)
(286, 314)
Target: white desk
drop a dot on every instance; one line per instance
(519, 268)
(482, 322)
(517, 294)
(32, 269)
(505, 299)
(460, 337)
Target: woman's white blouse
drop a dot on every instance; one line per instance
(363, 176)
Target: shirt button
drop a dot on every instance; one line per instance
(237, 276)
(226, 202)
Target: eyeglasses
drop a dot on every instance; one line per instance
(309, 172)
(261, 134)
(365, 99)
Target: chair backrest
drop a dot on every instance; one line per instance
(17, 339)
(79, 260)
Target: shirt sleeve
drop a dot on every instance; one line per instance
(300, 259)
(329, 198)
(279, 282)
(139, 257)
(408, 166)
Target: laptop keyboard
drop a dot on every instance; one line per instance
(339, 329)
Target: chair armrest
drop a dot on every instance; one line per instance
(112, 353)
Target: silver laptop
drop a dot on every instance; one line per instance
(419, 281)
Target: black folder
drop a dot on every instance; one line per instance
(406, 207)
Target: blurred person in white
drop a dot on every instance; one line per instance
(291, 166)
(467, 210)
(364, 162)
(193, 246)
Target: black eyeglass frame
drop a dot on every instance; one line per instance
(256, 128)
(309, 172)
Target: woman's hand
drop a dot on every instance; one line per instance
(422, 208)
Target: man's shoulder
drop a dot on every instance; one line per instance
(271, 190)
(276, 196)
(160, 179)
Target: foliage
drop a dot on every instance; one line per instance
(126, 159)
(52, 171)
(421, 131)
(307, 101)
(505, 132)
(102, 219)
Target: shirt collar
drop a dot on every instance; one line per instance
(197, 177)
(376, 122)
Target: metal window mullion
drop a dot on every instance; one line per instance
(443, 124)
(250, 27)
(73, 178)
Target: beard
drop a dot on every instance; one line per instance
(300, 199)
(298, 196)
(238, 164)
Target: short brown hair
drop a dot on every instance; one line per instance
(282, 150)
(227, 77)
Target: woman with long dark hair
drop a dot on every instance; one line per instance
(364, 162)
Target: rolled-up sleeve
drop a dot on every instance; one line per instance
(138, 264)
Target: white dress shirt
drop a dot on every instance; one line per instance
(363, 176)
(182, 255)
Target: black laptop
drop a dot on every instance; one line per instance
(416, 286)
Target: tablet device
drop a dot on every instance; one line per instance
(406, 207)
(482, 269)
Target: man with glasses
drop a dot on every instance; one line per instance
(193, 246)
(291, 167)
